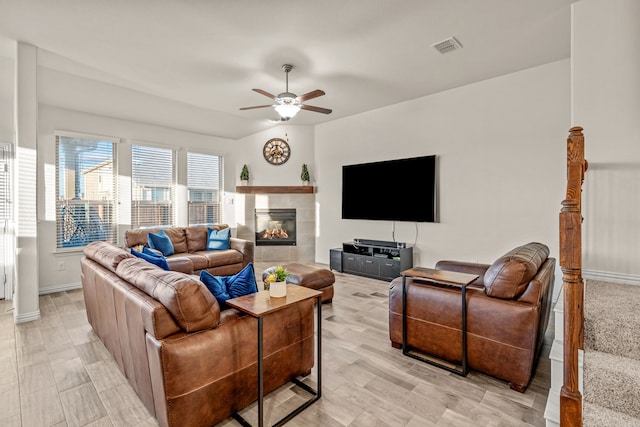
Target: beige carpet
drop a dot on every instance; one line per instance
(612, 355)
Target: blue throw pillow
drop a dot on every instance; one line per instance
(151, 257)
(219, 239)
(242, 283)
(226, 287)
(161, 242)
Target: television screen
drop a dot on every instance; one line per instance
(393, 190)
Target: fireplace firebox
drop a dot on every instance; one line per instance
(275, 227)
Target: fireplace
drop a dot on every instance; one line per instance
(275, 227)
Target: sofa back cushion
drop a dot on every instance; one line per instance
(139, 236)
(198, 235)
(509, 276)
(106, 254)
(186, 298)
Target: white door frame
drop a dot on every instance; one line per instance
(7, 239)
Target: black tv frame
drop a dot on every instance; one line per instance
(391, 190)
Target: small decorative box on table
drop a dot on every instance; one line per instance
(447, 278)
(260, 305)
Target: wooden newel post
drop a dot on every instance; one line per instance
(573, 286)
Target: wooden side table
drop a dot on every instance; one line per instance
(444, 277)
(260, 305)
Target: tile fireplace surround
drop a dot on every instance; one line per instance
(304, 204)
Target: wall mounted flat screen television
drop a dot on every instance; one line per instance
(392, 190)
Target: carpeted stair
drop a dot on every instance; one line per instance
(611, 355)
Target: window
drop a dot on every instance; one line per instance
(152, 186)
(203, 185)
(85, 191)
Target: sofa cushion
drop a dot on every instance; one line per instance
(237, 285)
(222, 257)
(218, 239)
(161, 242)
(510, 274)
(187, 299)
(196, 238)
(106, 254)
(178, 238)
(197, 235)
(150, 256)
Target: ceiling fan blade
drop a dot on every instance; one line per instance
(316, 109)
(257, 106)
(265, 93)
(307, 96)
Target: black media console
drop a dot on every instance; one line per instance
(372, 258)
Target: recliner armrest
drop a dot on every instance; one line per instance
(245, 247)
(465, 267)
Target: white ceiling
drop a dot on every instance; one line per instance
(209, 54)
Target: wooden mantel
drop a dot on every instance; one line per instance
(278, 189)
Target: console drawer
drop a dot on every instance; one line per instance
(389, 269)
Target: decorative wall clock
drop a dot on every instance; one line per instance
(276, 151)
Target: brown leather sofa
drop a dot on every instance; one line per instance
(191, 363)
(191, 256)
(507, 314)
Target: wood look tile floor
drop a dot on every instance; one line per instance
(55, 372)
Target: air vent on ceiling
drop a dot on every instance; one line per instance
(447, 45)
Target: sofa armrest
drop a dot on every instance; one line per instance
(181, 264)
(465, 267)
(245, 247)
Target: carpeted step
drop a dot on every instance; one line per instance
(612, 382)
(611, 323)
(596, 416)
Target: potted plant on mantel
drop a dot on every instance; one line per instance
(244, 175)
(276, 280)
(304, 175)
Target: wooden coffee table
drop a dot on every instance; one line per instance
(260, 305)
(442, 277)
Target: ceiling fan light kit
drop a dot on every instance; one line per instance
(288, 104)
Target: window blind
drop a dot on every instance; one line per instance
(203, 187)
(152, 186)
(85, 191)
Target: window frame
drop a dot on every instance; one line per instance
(171, 201)
(206, 204)
(61, 200)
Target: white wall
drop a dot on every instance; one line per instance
(7, 66)
(261, 172)
(605, 75)
(500, 147)
(54, 118)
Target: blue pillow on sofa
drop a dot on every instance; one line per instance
(217, 240)
(161, 242)
(226, 287)
(151, 257)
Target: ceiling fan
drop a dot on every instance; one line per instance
(287, 104)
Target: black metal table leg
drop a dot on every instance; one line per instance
(260, 375)
(464, 331)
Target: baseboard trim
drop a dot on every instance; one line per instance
(60, 288)
(26, 317)
(631, 279)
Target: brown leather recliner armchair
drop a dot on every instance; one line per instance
(507, 314)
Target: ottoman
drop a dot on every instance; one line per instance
(319, 279)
